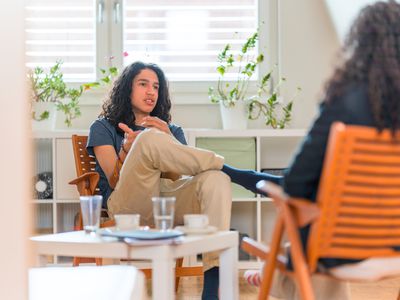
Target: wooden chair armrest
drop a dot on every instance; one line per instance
(86, 183)
(304, 211)
(84, 177)
(255, 248)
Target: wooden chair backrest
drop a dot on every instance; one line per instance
(358, 196)
(83, 161)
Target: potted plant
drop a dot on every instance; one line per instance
(235, 103)
(50, 92)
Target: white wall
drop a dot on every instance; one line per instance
(308, 49)
(343, 14)
(15, 152)
(308, 44)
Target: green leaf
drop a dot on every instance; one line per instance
(222, 55)
(106, 79)
(265, 79)
(230, 60)
(44, 115)
(113, 71)
(221, 70)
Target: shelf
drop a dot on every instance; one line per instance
(67, 201)
(245, 199)
(42, 201)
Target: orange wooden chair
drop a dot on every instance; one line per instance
(86, 183)
(356, 215)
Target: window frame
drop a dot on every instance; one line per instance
(109, 40)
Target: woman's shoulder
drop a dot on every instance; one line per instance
(353, 94)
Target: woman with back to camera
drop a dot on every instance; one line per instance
(135, 144)
(364, 90)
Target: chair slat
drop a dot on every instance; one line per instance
(382, 148)
(369, 201)
(358, 253)
(388, 180)
(365, 242)
(364, 231)
(368, 191)
(372, 170)
(370, 211)
(367, 221)
(373, 158)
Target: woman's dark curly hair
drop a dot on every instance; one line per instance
(118, 108)
(371, 56)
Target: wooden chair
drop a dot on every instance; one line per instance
(86, 183)
(356, 215)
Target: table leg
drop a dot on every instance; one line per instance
(163, 279)
(228, 274)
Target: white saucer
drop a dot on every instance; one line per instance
(206, 230)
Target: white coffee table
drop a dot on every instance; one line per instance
(77, 243)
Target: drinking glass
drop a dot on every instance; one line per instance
(90, 209)
(163, 211)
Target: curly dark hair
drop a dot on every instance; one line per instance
(118, 108)
(371, 56)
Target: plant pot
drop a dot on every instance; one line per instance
(46, 124)
(234, 117)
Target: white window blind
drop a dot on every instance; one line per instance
(184, 37)
(62, 30)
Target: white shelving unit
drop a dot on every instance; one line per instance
(53, 153)
(254, 216)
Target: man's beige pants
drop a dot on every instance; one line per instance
(207, 191)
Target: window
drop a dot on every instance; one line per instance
(62, 30)
(183, 37)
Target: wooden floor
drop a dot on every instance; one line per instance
(190, 289)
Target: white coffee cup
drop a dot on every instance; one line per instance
(127, 221)
(195, 221)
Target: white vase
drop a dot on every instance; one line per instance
(47, 124)
(234, 117)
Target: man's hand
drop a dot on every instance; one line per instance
(129, 136)
(154, 122)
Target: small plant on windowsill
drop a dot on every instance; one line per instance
(232, 94)
(51, 88)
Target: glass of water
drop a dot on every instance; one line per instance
(91, 208)
(163, 211)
